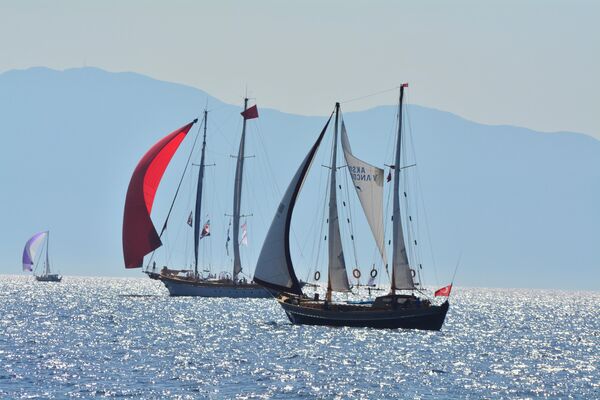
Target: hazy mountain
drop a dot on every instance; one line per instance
(521, 206)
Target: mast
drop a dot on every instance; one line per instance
(237, 199)
(198, 208)
(337, 277)
(47, 256)
(400, 268)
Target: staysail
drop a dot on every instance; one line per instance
(338, 277)
(401, 273)
(139, 235)
(31, 248)
(198, 208)
(368, 183)
(274, 268)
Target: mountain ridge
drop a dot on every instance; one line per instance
(506, 197)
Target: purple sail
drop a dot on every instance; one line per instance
(31, 248)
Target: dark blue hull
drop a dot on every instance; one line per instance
(425, 318)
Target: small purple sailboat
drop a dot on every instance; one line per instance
(30, 251)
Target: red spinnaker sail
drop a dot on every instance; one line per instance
(139, 235)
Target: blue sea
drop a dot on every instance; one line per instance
(126, 338)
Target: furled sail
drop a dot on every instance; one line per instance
(198, 207)
(401, 273)
(31, 248)
(274, 268)
(139, 235)
(338, 277)
(368, 183)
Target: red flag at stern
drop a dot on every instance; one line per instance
(443, 292)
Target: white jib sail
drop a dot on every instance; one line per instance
(368, 183)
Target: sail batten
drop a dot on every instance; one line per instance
(338, 277)
(274, 268)
(368, 184)
(139, 234)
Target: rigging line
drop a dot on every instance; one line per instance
(316, 245)
(182, 176)
(456, 267)
(325, 202)
(424, 205)
(349, 215)
(370, 95)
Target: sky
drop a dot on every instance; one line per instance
(526, 63)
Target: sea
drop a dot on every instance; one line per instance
(126, 338)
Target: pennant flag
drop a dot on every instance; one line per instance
(389, 177)
(250, 113)
(190, 219)
(228, 239)
(405, 85)
(205, 229)
(244, 235)
(443, 292)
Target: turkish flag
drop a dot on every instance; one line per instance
(250, 113)
(444, 292)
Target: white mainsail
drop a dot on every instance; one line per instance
(368, 183)
(338, 277)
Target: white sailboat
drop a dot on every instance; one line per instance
(30, 252)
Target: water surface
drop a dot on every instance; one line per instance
(125, 338)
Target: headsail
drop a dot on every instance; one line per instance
(274, 267)
(368, 183)
(139, 235)
(338, 277)
(401, 274)
(31, 248)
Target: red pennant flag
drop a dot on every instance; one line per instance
(405, 85)
(443, 292)
(389, 177)
(250, 113)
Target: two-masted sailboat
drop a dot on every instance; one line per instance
(29, 255)
(401, 308)
(140, 237)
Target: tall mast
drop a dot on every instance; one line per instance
(400, 267)
(337, 277)
(198, 208)
(47, 256)
(237, 199)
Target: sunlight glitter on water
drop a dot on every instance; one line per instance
(105, 337)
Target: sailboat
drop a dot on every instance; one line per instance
(400, 308)
(137, 224)
(29, 255)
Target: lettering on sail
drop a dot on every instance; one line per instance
(359, 173)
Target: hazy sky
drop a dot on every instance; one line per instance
(527, 63)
